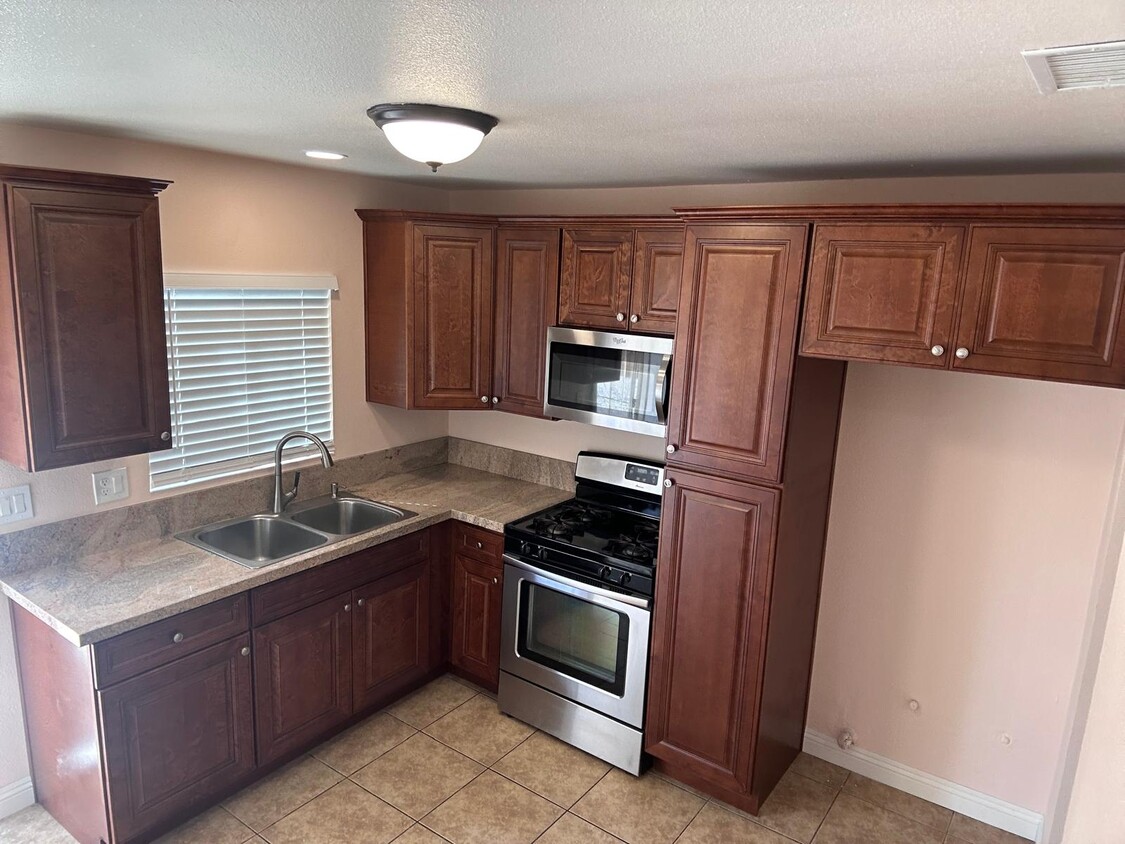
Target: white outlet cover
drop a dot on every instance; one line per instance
(110, 485)
(15, 504)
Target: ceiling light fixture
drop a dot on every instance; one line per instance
(325, 156)
(434, 135)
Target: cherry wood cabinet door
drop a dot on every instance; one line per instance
(595, 284)
(89, 286)
(175, 737)
(452, 316)
(708, 643)
(734, 348)
(392, 635)
(478, 590)
(303, 676)
(883, 292)
(1045, 302)
(657, 267)
(527, 302)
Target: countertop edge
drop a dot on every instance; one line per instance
(268, 574)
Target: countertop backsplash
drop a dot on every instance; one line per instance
(151, 520)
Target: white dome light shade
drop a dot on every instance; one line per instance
(432, 140)
(433, 135)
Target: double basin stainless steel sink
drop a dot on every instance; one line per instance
(265, 539)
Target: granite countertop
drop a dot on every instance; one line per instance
(95, 596)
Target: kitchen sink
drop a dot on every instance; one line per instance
(345, 516)
(256, 541)
(262, 540)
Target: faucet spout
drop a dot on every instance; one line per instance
(281, 499)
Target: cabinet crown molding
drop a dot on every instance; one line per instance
(79, 180)
(908, 211)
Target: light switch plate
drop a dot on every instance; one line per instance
(111, 485)
(15, 504)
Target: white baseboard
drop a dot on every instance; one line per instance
(18, 795)
(973, 804)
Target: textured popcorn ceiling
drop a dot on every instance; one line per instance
(588, 92)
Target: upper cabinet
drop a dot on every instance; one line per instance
(527, 290)
(429, 310)
(1044, 302)
(621, 277)
(735, 347)
(1031, 291)
(883, 291)
(83, 364)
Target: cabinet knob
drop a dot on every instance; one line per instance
(177, 637)
(671, 449)
(667, 483)
(621, 317)
(347, 607)
(495, 581)
(480, 545)
(245, 652)
(961, 353)
(634, 318)
(496, 400)
(359, 602)
(165, 436)
(937, 351)
(484, 399)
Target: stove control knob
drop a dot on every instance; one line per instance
(526, 547)
(542, 553)
(606, 573)
(625, 578)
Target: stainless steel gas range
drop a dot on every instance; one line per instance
(578, 581)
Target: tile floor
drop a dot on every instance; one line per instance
(445, 766)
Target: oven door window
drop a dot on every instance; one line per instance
(610, 382)
(577, 638)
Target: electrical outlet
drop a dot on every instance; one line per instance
(15, 504)
(110, 485)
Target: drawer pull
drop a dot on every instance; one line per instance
(177, 638)
(480, 545)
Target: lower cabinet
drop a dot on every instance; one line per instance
(478, 590)
(303, 676)
(713, 578)
(392, 636)
(176, 735)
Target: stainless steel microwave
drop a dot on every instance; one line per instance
(615, 380)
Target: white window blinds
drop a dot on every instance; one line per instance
(246, 366)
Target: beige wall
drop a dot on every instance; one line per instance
(229, 215)
(966, 525)
(1097, 804)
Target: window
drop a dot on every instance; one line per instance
(247, 364)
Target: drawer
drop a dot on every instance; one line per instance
(155, 644)
(477, 542)
(275, 600)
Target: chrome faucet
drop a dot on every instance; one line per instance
(282, 499)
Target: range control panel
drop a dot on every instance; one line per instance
(642, 474)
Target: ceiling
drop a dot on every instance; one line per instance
(588, 92)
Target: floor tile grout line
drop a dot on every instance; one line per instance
(746, 816)
(698, 811)
(261, 832)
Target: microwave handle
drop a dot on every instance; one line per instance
(662, 385)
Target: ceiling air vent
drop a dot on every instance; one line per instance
(1081, 66)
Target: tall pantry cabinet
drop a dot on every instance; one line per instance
(751, 444)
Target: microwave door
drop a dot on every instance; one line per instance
(613, 380)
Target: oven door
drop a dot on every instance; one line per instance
(582, 642)
(614, 380)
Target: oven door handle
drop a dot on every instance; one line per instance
(577, 584)
(661, 391)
